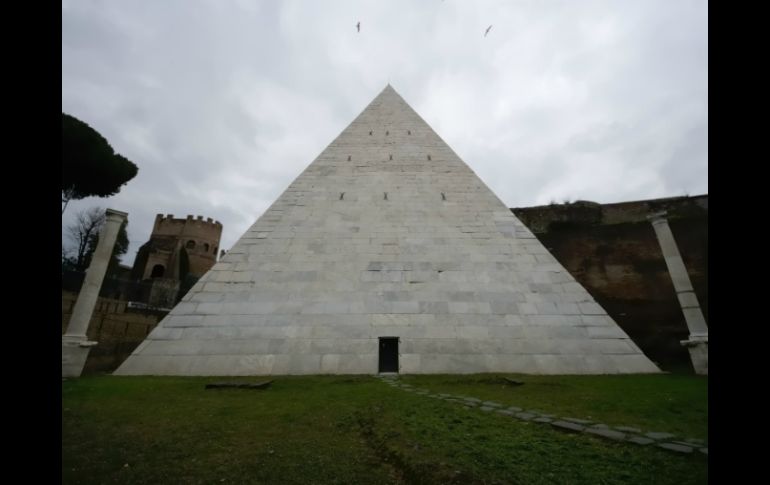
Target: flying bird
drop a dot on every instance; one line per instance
(358, 26)
(488, 29)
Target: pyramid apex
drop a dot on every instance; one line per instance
(390, 89)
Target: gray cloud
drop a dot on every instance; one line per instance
(223, 104)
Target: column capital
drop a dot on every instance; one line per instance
(117, 216)
(657, 217)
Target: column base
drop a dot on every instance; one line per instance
(698, 345)
(74, 352)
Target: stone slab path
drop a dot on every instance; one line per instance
(626, 434)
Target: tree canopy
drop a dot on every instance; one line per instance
(90, 167)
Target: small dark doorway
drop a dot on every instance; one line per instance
(388, 354)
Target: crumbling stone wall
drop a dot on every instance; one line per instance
(118, 329)
(612, 251)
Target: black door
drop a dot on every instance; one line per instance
(388, 354)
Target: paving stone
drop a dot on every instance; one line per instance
(486, 408)
(686, 443)
(659, 436)
(695, 441)
(628, 429)
(640, 440)
(543, 419)
(600, 426)
(578, 421)
(492, 404)
(607, 433)
(504, 411)
(514, 409)
(472, 399)
(674, 447)
(567, 425)
(705, 451)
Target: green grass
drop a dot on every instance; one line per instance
(672, 403)
(351, 430)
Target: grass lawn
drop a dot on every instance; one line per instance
(675, 404)
(350, 430)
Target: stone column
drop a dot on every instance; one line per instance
(699, 332)
(75, 345)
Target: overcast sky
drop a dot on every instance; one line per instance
(221, 104)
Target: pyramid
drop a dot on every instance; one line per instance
(388, 253)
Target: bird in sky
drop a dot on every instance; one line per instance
(358, 26)
(488, 29)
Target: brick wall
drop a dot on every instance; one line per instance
(613, 252)
(118, 329)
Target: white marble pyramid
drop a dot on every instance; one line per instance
(387, 234)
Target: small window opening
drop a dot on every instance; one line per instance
(370, 132)
(157, 271)
(408, 132)
(190, 244)
(387, 133)
(443, 196)
(206, 247)
(348, 158)
(391, 157)
(386, 196)
(342, 195)
(428, 157)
